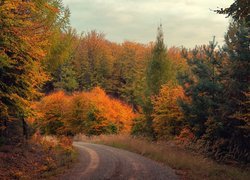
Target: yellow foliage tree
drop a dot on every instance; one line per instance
(167, 115)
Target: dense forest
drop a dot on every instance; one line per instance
(57, 81)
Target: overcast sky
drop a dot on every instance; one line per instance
(185, 22)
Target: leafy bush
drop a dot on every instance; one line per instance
(91, 113)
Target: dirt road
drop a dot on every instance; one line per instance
(97, 162)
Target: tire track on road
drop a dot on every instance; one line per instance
(100, 162)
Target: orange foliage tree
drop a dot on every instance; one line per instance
(113, 110)
(52, 112)
(91, 113)
(167, 115)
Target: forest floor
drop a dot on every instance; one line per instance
(38, 158)
(186, 163)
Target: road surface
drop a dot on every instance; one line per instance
(99, 162)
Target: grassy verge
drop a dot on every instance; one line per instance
(186, 163)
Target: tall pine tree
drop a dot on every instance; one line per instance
(158, 66)
(202, 85)
(156, 75)
(235, 109)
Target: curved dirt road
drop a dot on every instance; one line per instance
(97, 162)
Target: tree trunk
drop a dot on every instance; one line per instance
(25, 129)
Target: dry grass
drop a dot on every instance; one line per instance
(187, 164)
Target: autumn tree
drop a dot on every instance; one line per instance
(117, 68)
(93, 61)
(52, 113)
(113, 111)
(167, 115)
(178, 64)
(128, 73)
(90, 113)
(59, 61)
(25, 29)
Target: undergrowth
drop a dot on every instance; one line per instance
(39, 158)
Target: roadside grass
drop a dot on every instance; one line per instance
(187, 164)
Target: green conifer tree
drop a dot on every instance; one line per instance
(202, 85)
(65, 77)
(157, 72)
(158, 65)
(236, 76)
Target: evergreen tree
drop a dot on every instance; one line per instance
(237, 74)
(157, 72)
(158, 66)
(217, 85)
(238, 10)
(59, 60)
(65, 77)
(202, 85)
(235, 108)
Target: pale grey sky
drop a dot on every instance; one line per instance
(185, 22)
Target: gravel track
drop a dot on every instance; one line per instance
(100, 162)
